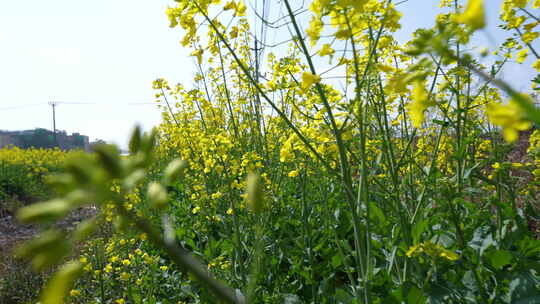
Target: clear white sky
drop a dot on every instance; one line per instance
(108, 52)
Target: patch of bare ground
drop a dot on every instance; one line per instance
(18, 282)
(12, 232)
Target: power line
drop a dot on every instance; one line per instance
(81, 103)
(22, 107)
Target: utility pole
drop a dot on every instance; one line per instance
(53, 104)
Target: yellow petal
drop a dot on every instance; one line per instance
(309, 79)
(474, 15)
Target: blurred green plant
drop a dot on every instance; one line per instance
(88, 180)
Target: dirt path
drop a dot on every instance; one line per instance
(12, 232)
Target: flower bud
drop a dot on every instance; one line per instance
(157, 195)
(174, 170)
(254, 189)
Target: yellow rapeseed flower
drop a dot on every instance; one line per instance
(420, 103)
(108, 268)
(509, 117)
(522, 55)
(309, 79)
(449, 255)
(88, 267)
(198, 54)
(432, 250)
(239, 8)
(314, 30)
(326, 50)
(124, 276)
(536, 65)
(474, 15)
(216, 195)
(293, 173)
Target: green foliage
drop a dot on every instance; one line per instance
(319, 195)
(19, 187)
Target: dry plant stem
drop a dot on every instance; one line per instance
(184, 259)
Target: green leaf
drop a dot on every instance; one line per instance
(529, 247)
(500, 258)
(415, 295)
(46, 250)
(482, 239)
(44, 211)
(342, 296)
(418, 229)
(337, 261)
(469, 281)
(84, 229)
(470, 170)
(61, 283)
(524, 289)
(377, 213)
(406, 293)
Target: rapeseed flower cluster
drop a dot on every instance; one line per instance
(38, 162)
(383, 140)
(432, 250)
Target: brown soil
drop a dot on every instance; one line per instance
(12, 232)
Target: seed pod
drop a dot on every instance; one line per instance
(255, 197)
(84, 229)
(157, 195)
(120, 224)
(44, 211)
(134, 178)
(61, 282)
(110, 159)
(135, 141)
(46, 250)
(148, 141)
(174, 170)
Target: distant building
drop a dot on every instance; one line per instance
(43, 138)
